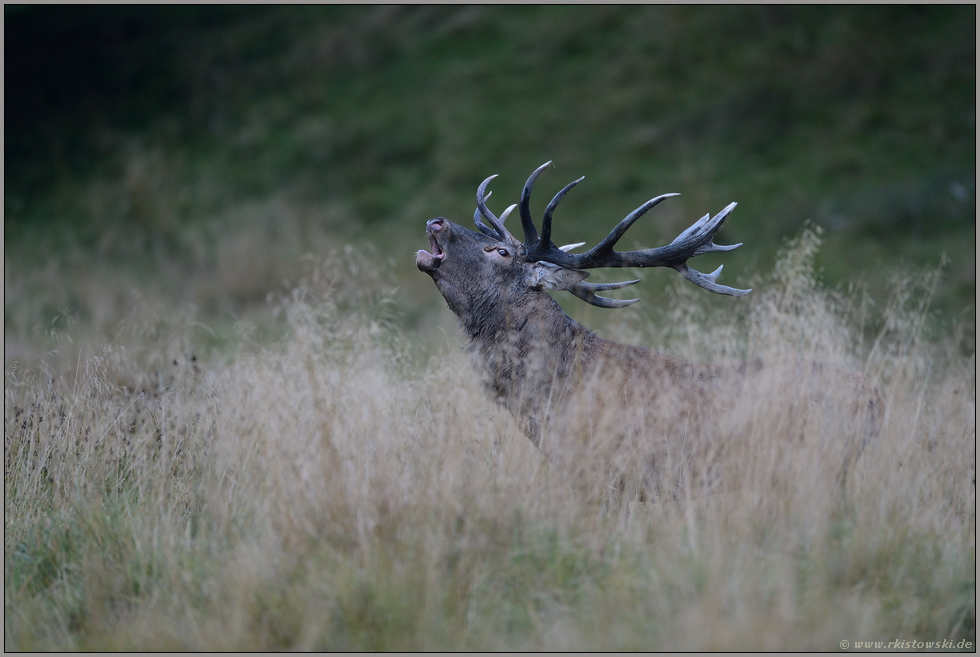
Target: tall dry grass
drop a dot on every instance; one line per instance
(347, 487)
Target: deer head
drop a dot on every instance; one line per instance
(473, 269)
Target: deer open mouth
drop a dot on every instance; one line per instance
(426, 261)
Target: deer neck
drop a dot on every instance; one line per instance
(528, 353)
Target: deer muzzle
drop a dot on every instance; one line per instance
(424, 260)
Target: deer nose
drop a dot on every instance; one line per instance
(435, 225)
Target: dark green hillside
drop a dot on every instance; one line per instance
(165, 149)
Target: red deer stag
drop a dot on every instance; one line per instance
(577, 395)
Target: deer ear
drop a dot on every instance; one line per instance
(544, 275)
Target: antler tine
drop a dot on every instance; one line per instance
(527, 223)
(701, 232)
(499, 232)
(606, 245)
(550, 210)
(587, 293)
(506, 213)
(707, 281)
(482, 227)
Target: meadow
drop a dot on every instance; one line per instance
(236, 417)
(341, 488)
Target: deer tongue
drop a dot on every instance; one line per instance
(426, 261)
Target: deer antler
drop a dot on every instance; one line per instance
(498, 231)
(695, 241)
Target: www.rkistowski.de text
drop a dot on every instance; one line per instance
(942, 644)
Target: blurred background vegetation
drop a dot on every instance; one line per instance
(188, 156)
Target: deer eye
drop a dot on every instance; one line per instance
(503, 253)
